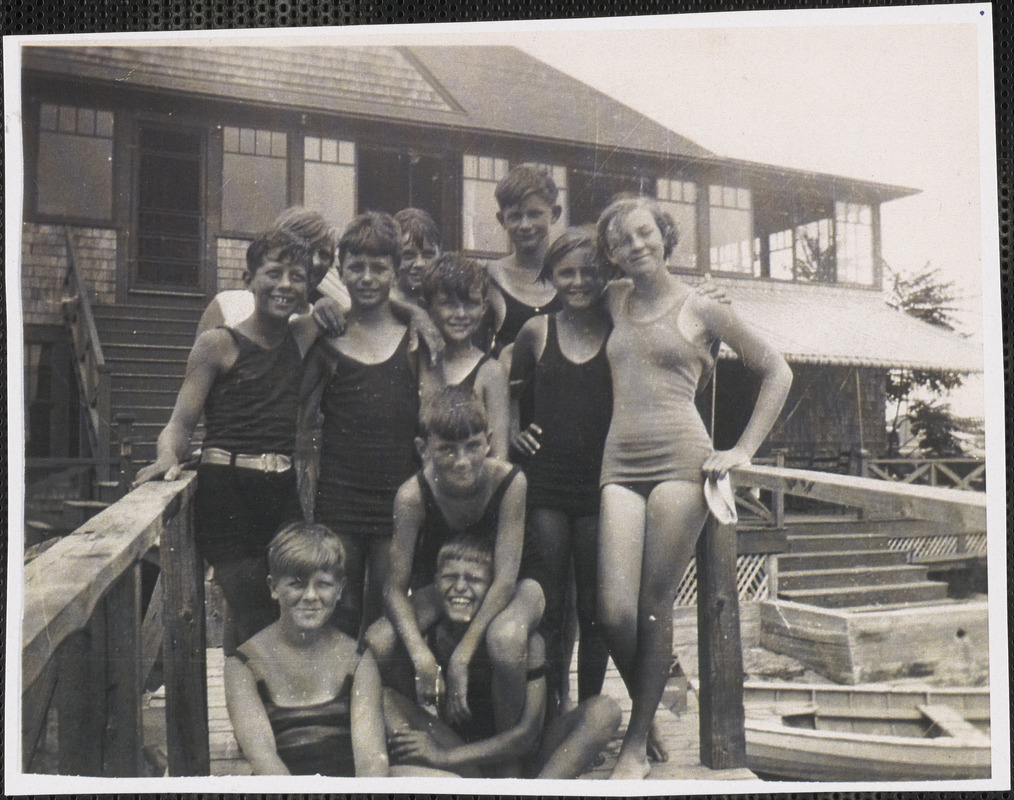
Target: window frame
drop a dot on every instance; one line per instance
(292, 139)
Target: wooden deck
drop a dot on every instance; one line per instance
(679, 734)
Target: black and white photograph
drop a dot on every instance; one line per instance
(410, 408)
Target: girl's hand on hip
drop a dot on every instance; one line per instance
(526, 441)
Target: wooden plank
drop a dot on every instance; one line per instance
(36, 701)
(720, 655)
(952, 723)
(186, 688)
(81, 708)
(123, 738)
(152, 630)
(64, 585)
(963, 510)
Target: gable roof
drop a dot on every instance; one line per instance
(494, 89)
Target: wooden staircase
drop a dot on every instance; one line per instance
(852, 567)
(146, 349)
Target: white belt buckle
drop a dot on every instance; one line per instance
(270, 462)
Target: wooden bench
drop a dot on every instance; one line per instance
(953, 724)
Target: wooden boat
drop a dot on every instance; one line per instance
(816, 732)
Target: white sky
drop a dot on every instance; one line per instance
(896, 104)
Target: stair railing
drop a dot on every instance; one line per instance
(968, 474)
(89, 363)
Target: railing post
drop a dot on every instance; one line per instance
(125, 433)
(720, 655)
(123, 738)
(184, 652)
(80, 701)
(778, 496)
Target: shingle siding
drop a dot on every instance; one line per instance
(44, 266)
(231, 263)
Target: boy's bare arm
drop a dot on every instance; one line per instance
(420, 323)
(492, 383)
(250, 720)
(369, 748)
(511, 744)
(506, 562)
(408, 518)
(213, 353)
(327, 316)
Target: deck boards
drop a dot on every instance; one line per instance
(679, 735)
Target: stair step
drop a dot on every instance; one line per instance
(147, 381)
(848, 596)
(825, 542)
(96, 505)
(151, 313)
(180, 350)
(841, 559)
(868, 576)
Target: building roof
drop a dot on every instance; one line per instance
(494, 89)
(817, 324)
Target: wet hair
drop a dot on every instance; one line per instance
(456, 275)
(525, 180)
(300, 549)
(419, 226)
(318, 233)
(454, 413)
(620, 209)
(288, 246)
(581, 237)
(372, 233)
(465, 549)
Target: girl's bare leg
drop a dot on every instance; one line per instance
(550, 538)
(379, 567)
(675, 515)
(592, 655)
(621, 546)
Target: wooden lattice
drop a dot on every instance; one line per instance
(948, 545)
(751, 580)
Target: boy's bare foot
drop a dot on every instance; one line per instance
(656, 752)
(630, 768)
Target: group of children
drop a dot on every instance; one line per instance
(394, 408)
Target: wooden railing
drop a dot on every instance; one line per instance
(968, 474)
(89, 363)
(86, 651)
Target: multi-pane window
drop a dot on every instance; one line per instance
(815, 255)
(679, 198)
(74, 173)
(731, 229)
(481, 232)
(854, 242)
(254, 187)
(329, 178)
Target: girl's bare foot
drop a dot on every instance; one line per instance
(630, 768)
(656, 752)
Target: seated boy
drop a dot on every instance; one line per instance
(460, 493)
(454, 293)
(420, 246)
(245, 379)
(564, 748)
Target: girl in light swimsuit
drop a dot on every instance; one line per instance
(658, 452)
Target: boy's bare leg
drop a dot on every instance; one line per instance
(401, 714)
(507, 645)
(572, 741)
(378, 570)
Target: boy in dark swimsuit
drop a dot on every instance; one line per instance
(461, 493)
(564, 748)
(245, 380)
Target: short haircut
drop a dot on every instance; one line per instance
(419, 226)
(288, 247)
(581, 237)
(623, 207)
(454, 413)
(372, 233)
(300, 549)
(318, 233)
(465, 549)
(525, 180)
(457, 275)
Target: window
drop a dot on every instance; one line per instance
(854, 242)
(74, 173)
(815, 256)
(254, 188)
(591, 192)
(679, 198)
(731, 229)
(169, 207)
(329, 178)
(390, 180)
(481, 232)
